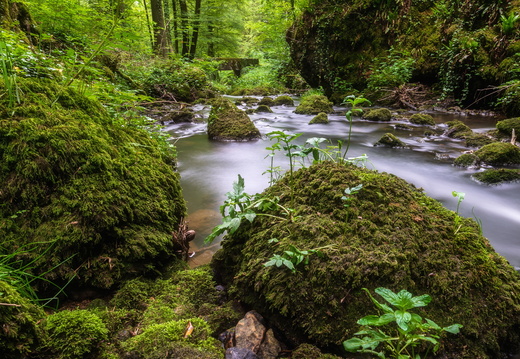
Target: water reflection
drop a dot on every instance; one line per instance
(209, 168)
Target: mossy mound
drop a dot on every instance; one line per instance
(478, 140)
(499, 154)
(313, 105)
(20, 334)
(99, 195)
(75, 334)
(267, 101)
(466, 160)
(389, 140)
(246, 101)
(263, 109)
(422, 119)
(457, 129)
(283, 100)
(228, 123)
(506, 127)
(494, 176)
(390, 235)
(378, 114)
(321, 118)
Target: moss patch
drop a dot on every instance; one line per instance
(283, 100)
(457, 129)
(313, 105)
(505, 127)
(466, 160)
(389, 140)
(494, 176)
(390, 235)
(422, 119)
(228, 123)
(320, 118)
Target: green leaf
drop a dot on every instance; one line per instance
(381, 306)
(402, 318)
(421, 301)
(453, 329)
(233, 224)
(250, 216)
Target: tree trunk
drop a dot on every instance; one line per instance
(196, 26)
(184, 27)
(5, 17)
(175, 13)
(150, 32)
(159, 45)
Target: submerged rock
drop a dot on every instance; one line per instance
(390, 140)
(313, 105)
(320, 118)
(467, 160)
(390, 235)
(494, 176)
(457, 129)
(228, 123)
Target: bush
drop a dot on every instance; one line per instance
(392, 70)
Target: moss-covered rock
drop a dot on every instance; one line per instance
(457, 129)
(228, 123)
(499, 153)
(283, 100)
(263, 109)
(378, 114)
(390, 235)
(75, 334)
(389, 140)
(246, 101)
(20, 334)
(187, 338)
(321, 118)
(422, 119)
(494, 176)
(267, 101)
(313, 105)
(99, 195)
(466, 160)
(505, 127)
(477, 140)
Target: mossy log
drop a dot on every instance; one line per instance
(391, 235)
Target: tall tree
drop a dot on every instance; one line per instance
(196, 27)
(160, 44)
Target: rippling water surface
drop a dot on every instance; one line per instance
(208, 170)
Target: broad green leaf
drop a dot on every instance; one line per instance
(369, 320)
(233, 224)
(388, 295)
(454, 328)
(421, 301)
(402, 318)
(250, 216)
(432, 324)
(353, 344)
(381, 306)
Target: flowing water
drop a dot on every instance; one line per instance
(208, 170)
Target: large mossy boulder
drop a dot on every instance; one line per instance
(495, 176)
(313, 105)
(227, 122)
(320, 118)
(95, 198)
(499, 154)
(388, 234)
(458, 129)
(422, 119)
(506, 127)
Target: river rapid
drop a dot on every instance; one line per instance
(208, 169)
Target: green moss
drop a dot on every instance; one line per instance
(390, 140)
(422, 119)
(477, 140)
(391, 235)
(457, 129)
(171, 339)
(246, 101)
(283, 100)
(267, 101)
(313, 105)
(20, 335)
(499, 153)
(102, 191)
(228, 123)
(321, 118)
(466, 160)
(494, 176)
(506, 127)
(75, 334)
(263, 109)
(378, 114)
(308, 351)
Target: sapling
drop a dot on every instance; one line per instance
(354, 102)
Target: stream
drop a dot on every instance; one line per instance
(208, 170)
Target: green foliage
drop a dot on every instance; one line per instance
(292, 257)
(261, 80)
(392, 70)
(350, 191)
(411, 331)
(508, 23)
(74, 334)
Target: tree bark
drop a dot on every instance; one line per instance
(196, 26)
(160, 44)
(175, 13)
(184, 27)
